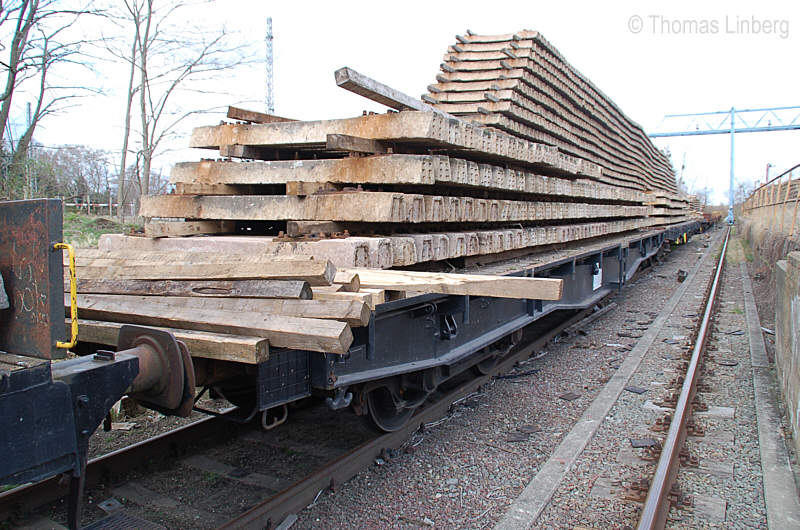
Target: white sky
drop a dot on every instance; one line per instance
(648, 74)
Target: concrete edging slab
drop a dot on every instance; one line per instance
(780, 489)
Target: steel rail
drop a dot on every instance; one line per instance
(656, 506)
(31, 496)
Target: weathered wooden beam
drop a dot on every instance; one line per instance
(235, 113)
(298, 289)
(353, 313)
(380, 252)
(302, 188)
(282, 331)
(403, 126)
(182, 188)
(187, 228)
(241, 151)
(375, 207)
(397, 169)
(203, 266)
(307, 228)
(350, 252)
(220, 346)
(463, 284)
(385, 169)
(332, 293)
(378, 295)
(344, 142)
(432, 129)
(349, 281)
(367, 87)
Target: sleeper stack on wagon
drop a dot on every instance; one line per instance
(421, 186)
(235, 307)
(521, 84)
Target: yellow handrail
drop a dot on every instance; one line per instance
(73, 296)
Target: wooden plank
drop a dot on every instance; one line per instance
(378, 295)
(376, 207)
(463, 284)
(350, 252)
(354, 313)
(401, 126)
(188, 228)
(303, 228)
(348, 206)
(395, 169)
(391, 296)
(333, 288)
(432, 130)
(383, 169)
(187, 251)
(301, 189)
(344, 142)
(182, 188)
(362, 85)
(208, 266)
(349, 281)
(379, 252)
(241, 151)
(10, 362)
(221, 346)
(282, 331)
(236, 113)
(298, 289)
(326, 293)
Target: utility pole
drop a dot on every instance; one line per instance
(730, 198)
(724, 122)
(270, 81)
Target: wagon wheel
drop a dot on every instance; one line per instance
(486, 366)
(382, 413)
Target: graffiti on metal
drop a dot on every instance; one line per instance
(33, 278)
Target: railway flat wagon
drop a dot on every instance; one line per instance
(363, 261)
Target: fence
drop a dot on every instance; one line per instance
(775, 203)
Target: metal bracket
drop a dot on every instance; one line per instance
(341, 399)
(448, 327)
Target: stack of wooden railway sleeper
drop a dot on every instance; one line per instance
(512, 150)
(234, 307)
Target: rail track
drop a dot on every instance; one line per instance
(30, 496)
(663, 493)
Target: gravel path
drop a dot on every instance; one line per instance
(466, 470)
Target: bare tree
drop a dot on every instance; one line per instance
(71, 170)
(25, 17)
(133, 10)
(167, 60)
(742, 191)
(41, 40)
